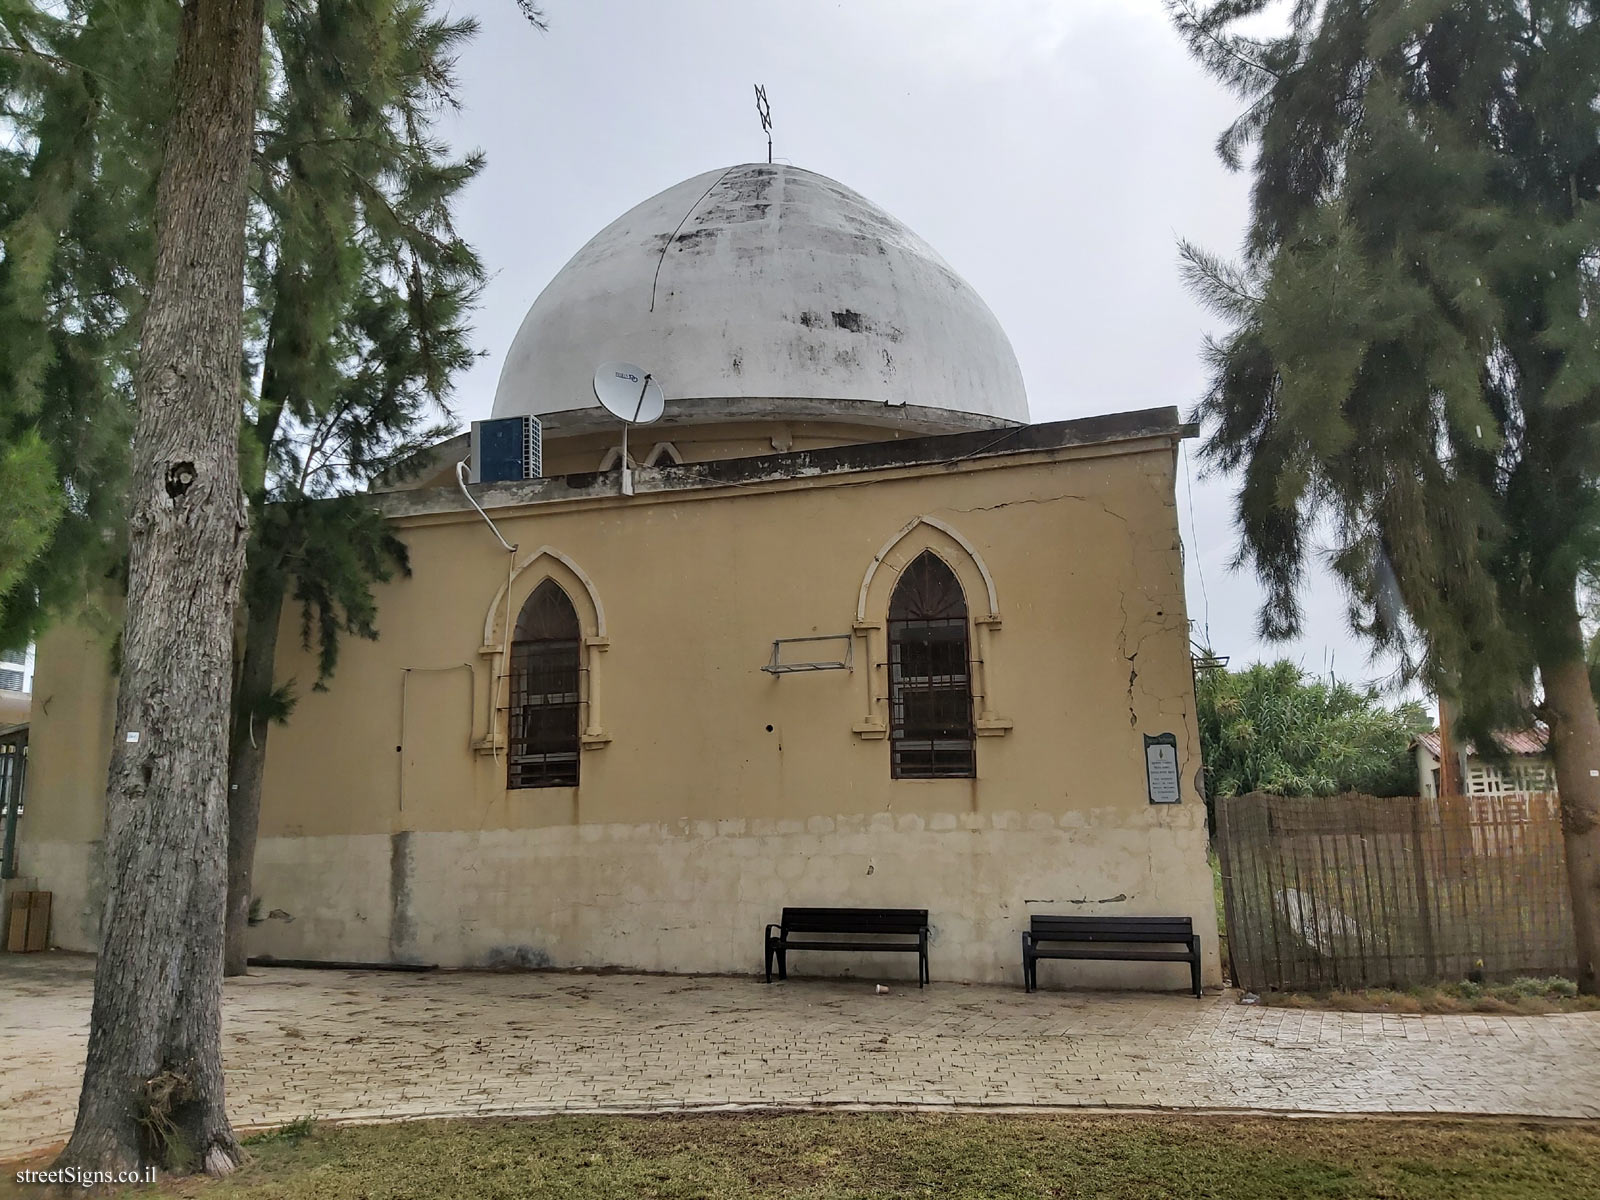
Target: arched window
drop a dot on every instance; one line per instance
(930, 682)
(663, 454)
(545, 656)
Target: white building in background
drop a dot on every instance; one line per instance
(1527, 770)
(16, 686)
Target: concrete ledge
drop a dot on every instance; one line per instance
(932, 452)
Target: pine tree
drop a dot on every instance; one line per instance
(152, 1080)
(1412, 367)
(84, 98)
(357, 293)
(360, 287)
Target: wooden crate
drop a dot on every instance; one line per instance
(28, 922)
(17, 921)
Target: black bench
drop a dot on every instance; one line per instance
(1137, 939)
(891, 929)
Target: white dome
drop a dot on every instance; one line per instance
(764, 282)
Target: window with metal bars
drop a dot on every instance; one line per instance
(13, 786)
(930, 675)
(542, 750)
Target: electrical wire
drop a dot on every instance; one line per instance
(505, 669)
(461, 481)
(1194, 537)
(505, 627)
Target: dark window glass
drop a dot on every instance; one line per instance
(545, 654)
(930, 682)
(13, 783)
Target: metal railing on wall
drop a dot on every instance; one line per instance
(1356, 891)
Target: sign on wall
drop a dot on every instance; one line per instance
(1161, 767)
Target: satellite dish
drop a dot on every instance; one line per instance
(629, 392)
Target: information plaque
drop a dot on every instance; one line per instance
(1161, 767)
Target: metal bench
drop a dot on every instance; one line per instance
(1136, 939)
(903, 930)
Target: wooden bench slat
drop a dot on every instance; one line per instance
(1108, 919)
(852, 920)
(1076, 925)
(1128, 954)
(1184, 925)
(867, 931)
(1112, 935)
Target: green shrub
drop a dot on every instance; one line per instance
(294, 1132)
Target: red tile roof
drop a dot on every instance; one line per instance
(1512, 741)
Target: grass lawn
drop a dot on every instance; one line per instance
(862, 1155)
(1526, 996)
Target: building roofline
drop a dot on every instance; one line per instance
(928, 451)
(727, 410)
(688, 414)
(1515, 743)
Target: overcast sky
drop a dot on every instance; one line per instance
(1053, 151)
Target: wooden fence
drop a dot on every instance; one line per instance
(1354, 891)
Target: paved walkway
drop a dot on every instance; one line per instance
(366, 1046)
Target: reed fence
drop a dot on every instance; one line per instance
(1356, 891)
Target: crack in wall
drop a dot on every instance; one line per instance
(1130, 659)
(1151, 629)
(1092, 503)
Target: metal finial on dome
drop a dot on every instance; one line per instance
(764, 111)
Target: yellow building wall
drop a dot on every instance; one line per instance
(713, 793)
(69, 752)
(724, 792)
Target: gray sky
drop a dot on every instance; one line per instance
(1053, 151)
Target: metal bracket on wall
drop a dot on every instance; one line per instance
(777, 665)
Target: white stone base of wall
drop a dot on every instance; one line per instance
(694, 896)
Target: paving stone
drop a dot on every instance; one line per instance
(345, 1045)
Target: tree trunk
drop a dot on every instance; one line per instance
(152, 1083)
(246, 764)
(1575, 743)
(256, 658)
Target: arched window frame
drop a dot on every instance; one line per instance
(544, 691)
(930, 664)
(491, 735)
(663, 454)
(984, 616)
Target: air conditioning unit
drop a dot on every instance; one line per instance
(507, 449)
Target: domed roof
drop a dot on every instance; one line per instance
(764, 282)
